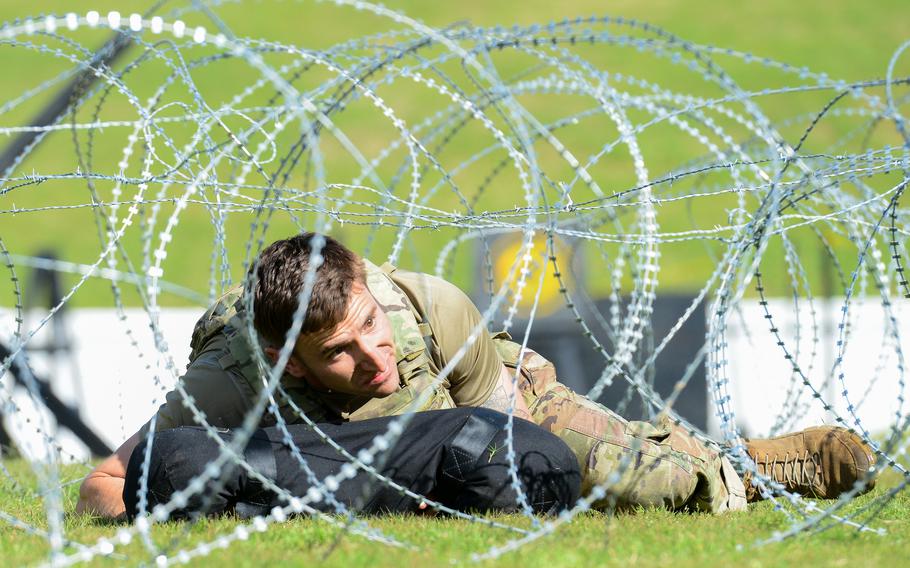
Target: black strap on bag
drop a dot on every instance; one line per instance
(473, 438)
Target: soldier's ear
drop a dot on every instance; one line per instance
(294, 367)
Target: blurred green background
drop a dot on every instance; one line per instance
(846, 40)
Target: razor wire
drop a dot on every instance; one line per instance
(429, 145)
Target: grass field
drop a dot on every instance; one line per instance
(645, 538)
(847, 40)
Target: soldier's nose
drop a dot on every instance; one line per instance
(372, 358)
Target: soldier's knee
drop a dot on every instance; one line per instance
(650, 476)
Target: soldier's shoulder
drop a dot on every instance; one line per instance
(431, 294)
(214, 320)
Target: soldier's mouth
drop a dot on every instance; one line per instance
(378, 379)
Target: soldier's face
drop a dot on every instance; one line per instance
(357, 356)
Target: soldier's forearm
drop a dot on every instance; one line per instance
(503, 397)
(101, 495)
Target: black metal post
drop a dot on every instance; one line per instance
(65, 415)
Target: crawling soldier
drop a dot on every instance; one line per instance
(374, 342)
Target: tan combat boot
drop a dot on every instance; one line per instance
(820, 462)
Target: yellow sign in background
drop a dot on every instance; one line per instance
(507, 251)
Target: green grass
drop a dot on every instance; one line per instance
(843, 39)
(643, 538)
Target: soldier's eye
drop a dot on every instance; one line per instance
(370, 321)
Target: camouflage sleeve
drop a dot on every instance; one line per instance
(216, 387)
(452, 316)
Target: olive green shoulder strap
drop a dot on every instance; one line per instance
(412, 333)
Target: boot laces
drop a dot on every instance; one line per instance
(799, 470)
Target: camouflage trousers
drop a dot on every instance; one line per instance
(658, 464)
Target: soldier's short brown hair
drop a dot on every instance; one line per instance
(281, 273)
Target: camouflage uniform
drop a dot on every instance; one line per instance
(662, 464)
